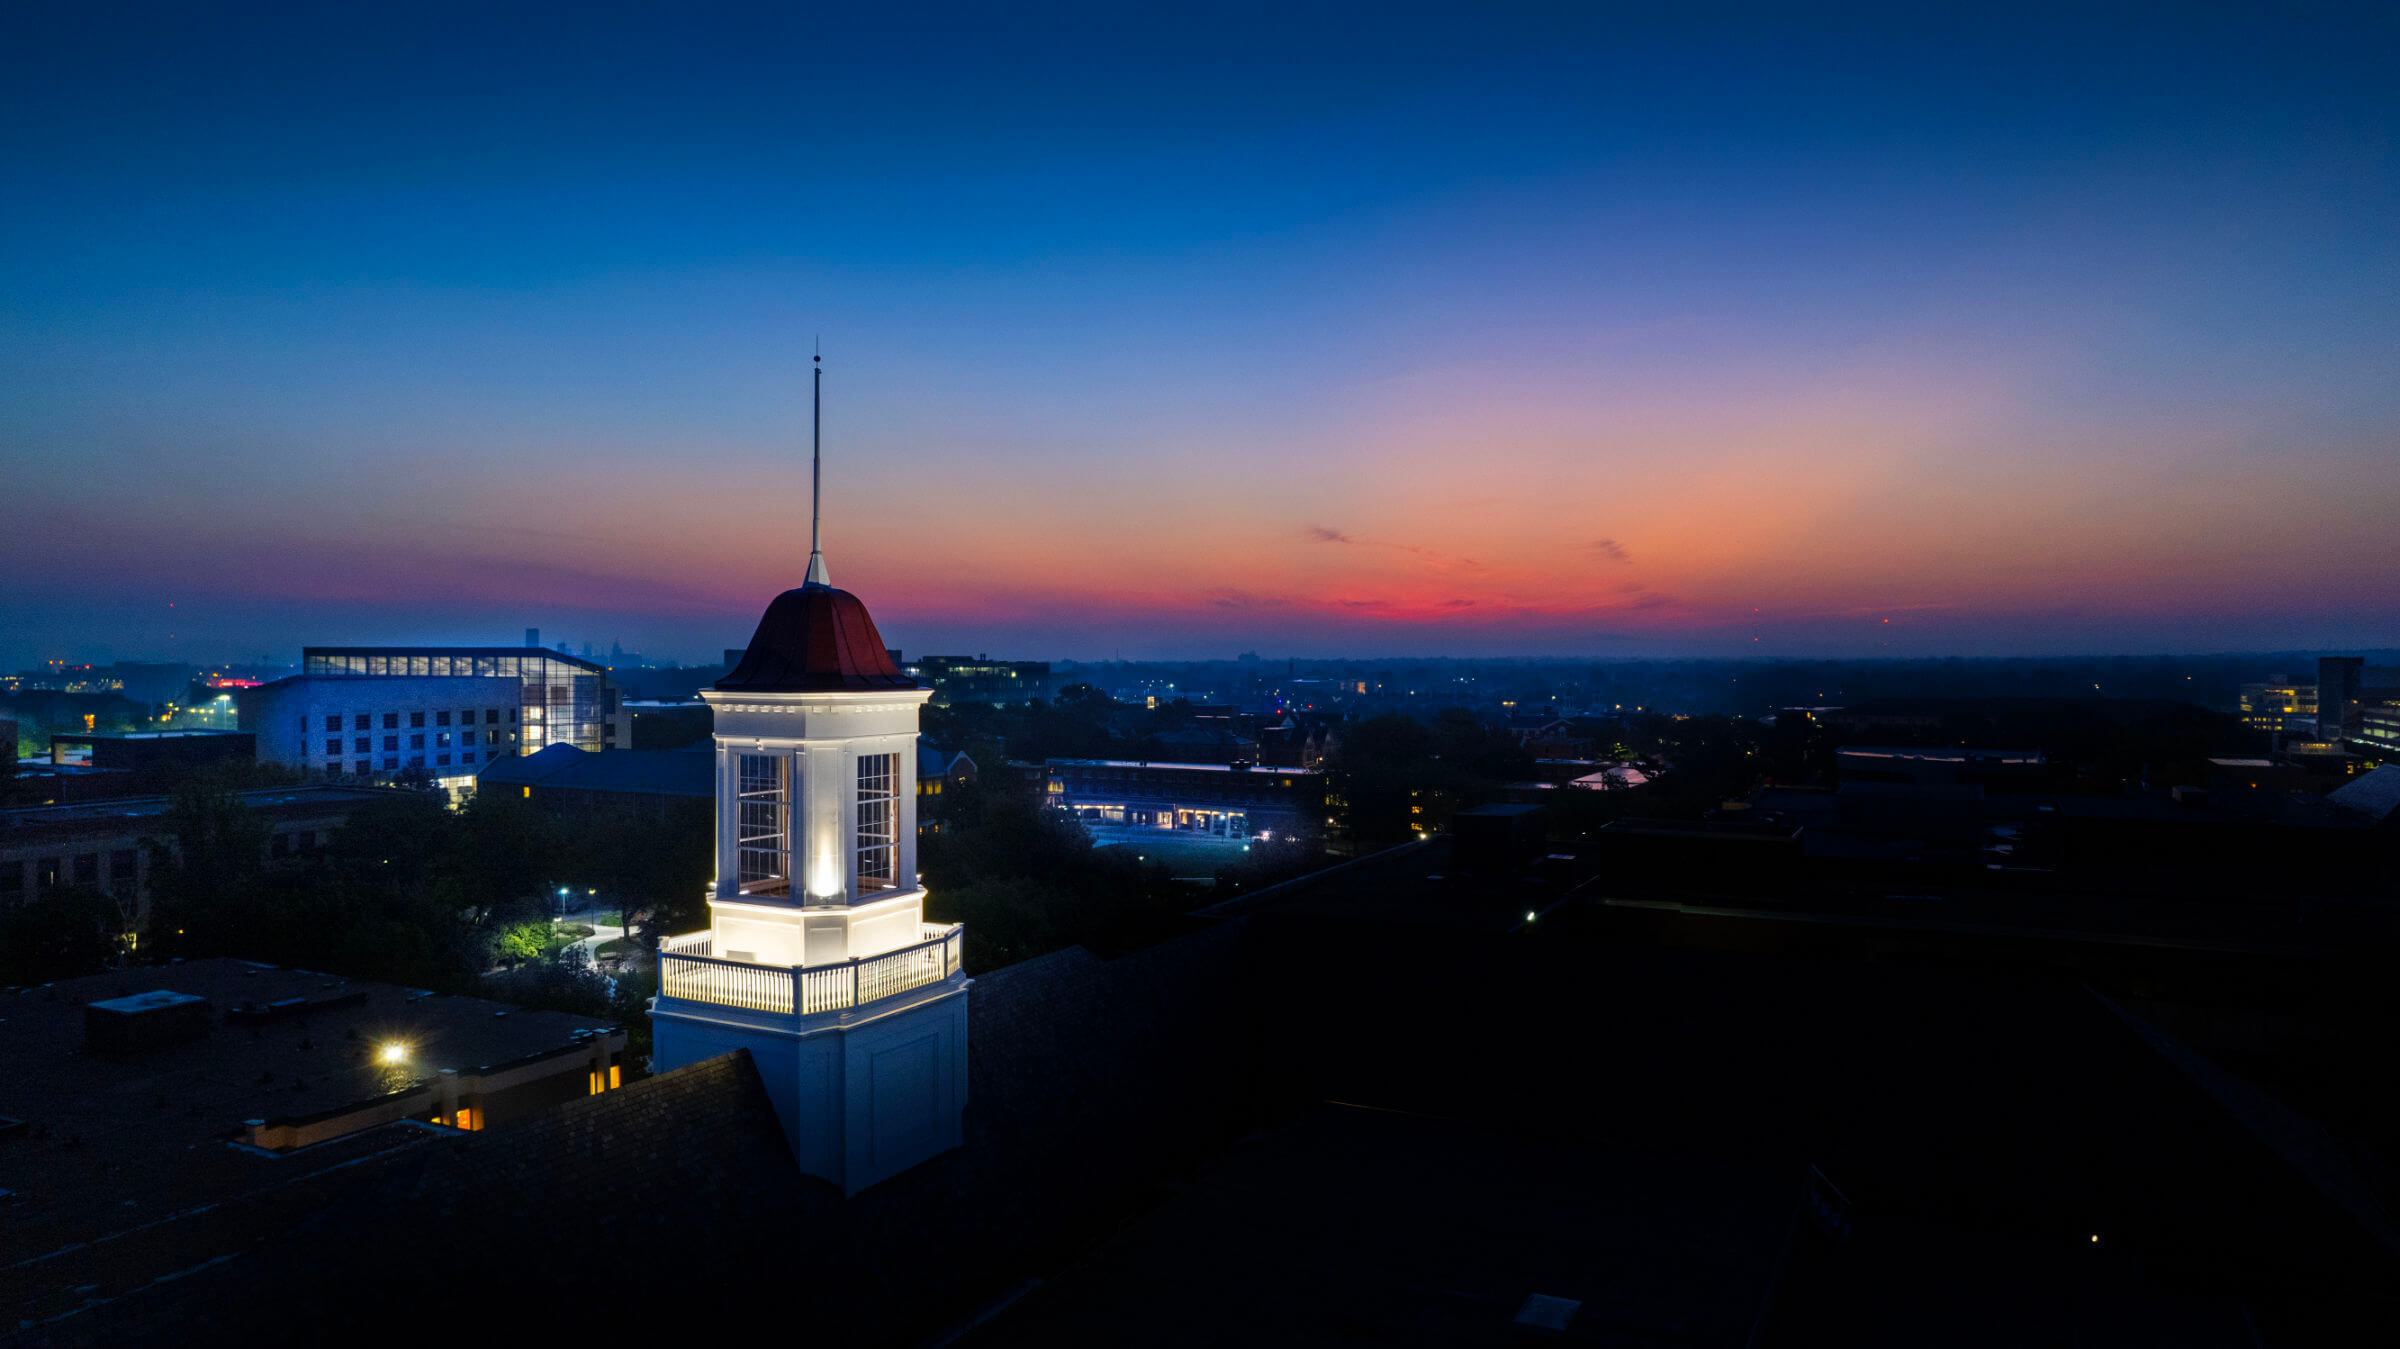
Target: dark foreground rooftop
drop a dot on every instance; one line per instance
(1382, 1107)
(1359, 1225)
(107, 1143)
(570, 1216)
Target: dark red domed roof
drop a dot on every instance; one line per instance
(812, 640)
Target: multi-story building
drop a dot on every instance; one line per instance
(1946, 766)
(2377, 734)
(239, 1066)
(939, 771)
(980, 679)
(152, 751)
(2279, 705)
(2337, 695)
(102, 844)
(1208, 798)
(432, 713)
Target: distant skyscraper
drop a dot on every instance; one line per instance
(2337, 695)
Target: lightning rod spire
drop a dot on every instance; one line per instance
(816, 473)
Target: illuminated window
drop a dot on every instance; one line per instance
(878, 819)
(763, 844)
(467, 1118)
(529, 793)
(615, 1077)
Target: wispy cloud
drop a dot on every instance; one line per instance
(1451, 561)
(1610, 550)
(1243, 599)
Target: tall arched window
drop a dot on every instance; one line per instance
(878, 820)
(765, 825)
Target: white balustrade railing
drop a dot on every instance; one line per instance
(687, 970)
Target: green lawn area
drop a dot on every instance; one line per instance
(1182, 856)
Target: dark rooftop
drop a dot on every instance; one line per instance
(1373, 1226)
(115, 1141)
(412, 1218)
(27, 823)
(649, 772)
(86, 737)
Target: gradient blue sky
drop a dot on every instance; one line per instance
(1371, 330)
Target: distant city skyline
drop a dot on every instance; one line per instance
(1356, 332)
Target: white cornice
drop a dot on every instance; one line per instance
(827, 700)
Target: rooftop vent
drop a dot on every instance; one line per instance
(144, 1021)
(1496, 838)
(1543, 1312)
(260, 1013)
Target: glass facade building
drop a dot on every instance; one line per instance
(562, 700)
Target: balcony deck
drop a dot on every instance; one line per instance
(687, 969)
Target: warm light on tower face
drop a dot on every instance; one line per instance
(824, 866)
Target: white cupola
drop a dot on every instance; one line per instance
(817, 959)
(816, 733)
